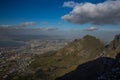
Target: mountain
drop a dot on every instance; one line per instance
(83, 59)
(105, 67)
(56, 64)
(85, 47)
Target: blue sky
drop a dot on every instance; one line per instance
(45, 13)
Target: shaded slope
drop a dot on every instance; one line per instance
(90, 70)
(103, 68)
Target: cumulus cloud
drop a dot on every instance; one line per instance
(25, 27)
(26, 24)
(44, 23)
(22, 25)
(93, 28)
(50, 29)
(4, 25)
(107, 12)
(70, 4)
(7, 27)
(59, 23)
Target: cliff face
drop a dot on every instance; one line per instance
(113, 48)
(115, 44)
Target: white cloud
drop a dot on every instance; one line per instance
(107, 12)
(44, 23)
(22, 25)
(3, 25)
(59, 23)
(93, 28)
(50, 28)
(26, 24)
(70, 4)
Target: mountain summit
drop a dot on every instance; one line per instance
(85, 47)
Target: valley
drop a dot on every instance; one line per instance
(49, 60)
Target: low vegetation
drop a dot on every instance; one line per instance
(55, 64)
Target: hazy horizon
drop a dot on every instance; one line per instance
(65, 18)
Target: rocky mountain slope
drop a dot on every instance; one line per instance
(83, 59)
(113, 48)
(105, 67)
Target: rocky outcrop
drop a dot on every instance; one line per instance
(113, 48)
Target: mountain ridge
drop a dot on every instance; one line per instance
(55, 64)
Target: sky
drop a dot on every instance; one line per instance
(54, 15)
